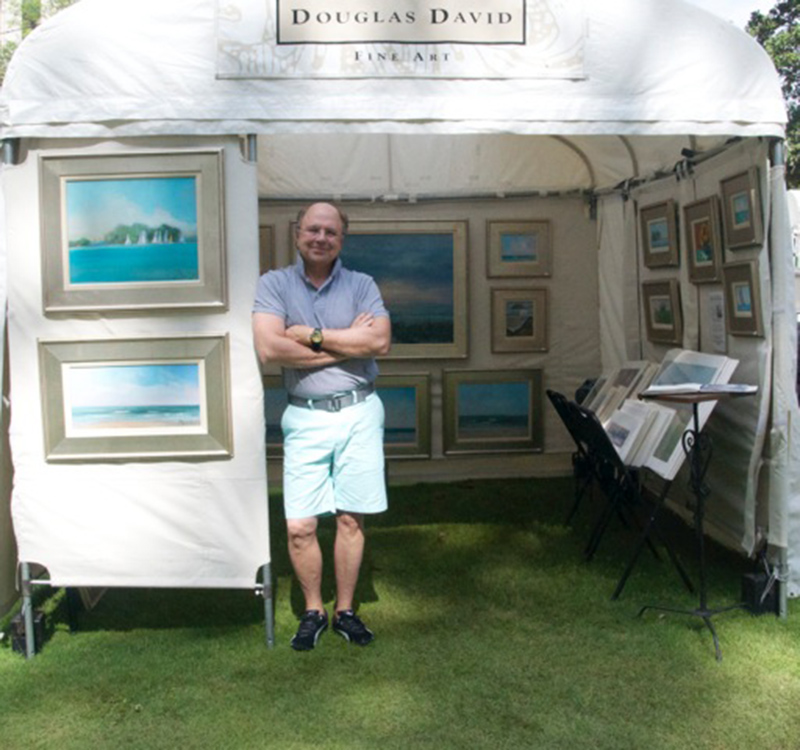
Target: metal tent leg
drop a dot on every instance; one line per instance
(27, 610)
(269, 611)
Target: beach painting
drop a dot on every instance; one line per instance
(518, 248)
(406, 405)
(742, 299)
(420, 268)
(154, 398)
(492, 411)
(740, 210)
(131, 230)
(658, 235)
(275, 400)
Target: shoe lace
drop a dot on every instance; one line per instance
(351, 621)
(309, 623)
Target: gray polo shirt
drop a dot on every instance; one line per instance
(289, 294)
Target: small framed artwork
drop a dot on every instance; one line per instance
(703, 240)
(742, 299)
(266, 249)
(659, 234)
(519, 248)
(136, 399)
(493, 411)
(741, 209)
(275, 400)
(519, 320)
(407, 403)
(662, 311)
(136, 232)
(421, 270)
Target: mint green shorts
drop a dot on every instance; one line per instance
(333, 461)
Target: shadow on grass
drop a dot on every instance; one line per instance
(415, 548)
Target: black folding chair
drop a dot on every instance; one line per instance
(621, 485)
(581, 461)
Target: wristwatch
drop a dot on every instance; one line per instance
(315, 339)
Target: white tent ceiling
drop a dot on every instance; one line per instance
(116, 68)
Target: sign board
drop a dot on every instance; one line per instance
(400, 39)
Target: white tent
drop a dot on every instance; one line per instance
(642, 102)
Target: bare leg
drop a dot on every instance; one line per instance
(306, 557)
(348, 552)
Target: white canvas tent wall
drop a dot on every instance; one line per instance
(662, 79)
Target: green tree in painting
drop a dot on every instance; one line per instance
(779, 33)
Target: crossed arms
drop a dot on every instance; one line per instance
(367, 336)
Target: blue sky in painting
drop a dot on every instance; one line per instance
(400, 405)
(95, 207)
(134, 385)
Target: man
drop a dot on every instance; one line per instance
(324, 325)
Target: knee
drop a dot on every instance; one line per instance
(349, 524)
(301, 531)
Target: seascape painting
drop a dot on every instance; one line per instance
(740, 210)
(494, 411)
(658, 235)
(137, 230)
(124, 399)
(519, 247)
(400, 406)
(275, 400)
(416, 274)
(742, 300)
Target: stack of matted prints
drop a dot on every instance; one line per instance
(647, 433)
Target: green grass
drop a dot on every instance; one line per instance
(492, 632)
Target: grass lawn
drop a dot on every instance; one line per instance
(491, 632)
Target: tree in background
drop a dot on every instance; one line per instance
(23, 16)
(779, 33)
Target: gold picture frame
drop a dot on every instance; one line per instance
(136, 398)
(133, 232)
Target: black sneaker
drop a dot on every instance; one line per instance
(312, 626)
(348, 625)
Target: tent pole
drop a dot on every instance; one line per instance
(269, 614)
(27, 610)
(10, 150)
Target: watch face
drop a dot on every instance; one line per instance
(316, 336)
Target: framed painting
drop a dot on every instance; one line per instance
(519, 248)
(493, 411)
(136, 399)
(659, 234)
(421, 269)
(741, 209)
(662, 311)
(407, 403)
(275, 400)
(703, 240)
(519, 320)
(742, 299)
(133, 232)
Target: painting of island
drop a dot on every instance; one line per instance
(499, 411)
(416, 275)
(133, 398)
(137, 230)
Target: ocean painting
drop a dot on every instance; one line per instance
(275, 400)
(400, 406)
(519, 318)
(518, 247)
(415, 273)
(127, 399)
(138, 230)
(498, 411)
(658, 235)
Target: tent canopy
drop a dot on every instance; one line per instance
(116, 68)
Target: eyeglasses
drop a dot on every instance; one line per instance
(313, 231)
